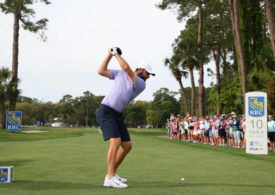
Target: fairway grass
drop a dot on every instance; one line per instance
(73, 161)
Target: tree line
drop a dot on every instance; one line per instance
(81, 111)
(238, 36)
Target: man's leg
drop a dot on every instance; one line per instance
(112, 156)
(122, 152)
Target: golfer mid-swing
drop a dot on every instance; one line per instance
(127, 85)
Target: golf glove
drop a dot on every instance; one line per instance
(116, 50)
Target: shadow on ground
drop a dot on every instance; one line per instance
(60, 185)
(49, 185)
(192, 185)
(15, 163)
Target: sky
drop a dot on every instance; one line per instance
(79, 34)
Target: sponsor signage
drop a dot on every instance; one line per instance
(13, 120)
(256, 123)
(6, 174)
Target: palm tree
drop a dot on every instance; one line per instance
(177, 73)
(191, 63)
(21, 13)
(185, 47)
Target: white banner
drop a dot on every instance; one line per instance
(256, 122)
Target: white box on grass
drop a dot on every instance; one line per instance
(6, 174)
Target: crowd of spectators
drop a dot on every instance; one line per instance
(219, 130)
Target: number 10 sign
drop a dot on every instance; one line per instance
(256, 122)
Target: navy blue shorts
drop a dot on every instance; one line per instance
(112, 123)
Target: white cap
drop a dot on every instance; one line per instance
(146, 67)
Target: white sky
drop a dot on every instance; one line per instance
(79, 35)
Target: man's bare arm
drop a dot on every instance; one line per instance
(103, 69)
(125, 66)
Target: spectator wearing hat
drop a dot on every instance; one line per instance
(202, 130)
(185, 124)
(230, 132)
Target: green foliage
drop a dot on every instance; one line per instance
(211, 101)
(152, 117)
(21, 8)
(231, 97)
(8, 89)
(252, 30)
(162, 106)
(270, 90)
(79, 111)
(135, 115)
(5, 76)
(218, 37)
(29, 116)
(185, 8)
(257, 79)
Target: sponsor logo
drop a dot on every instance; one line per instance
(256, 143)
(3, 175)
(256, 106)
(13, 121)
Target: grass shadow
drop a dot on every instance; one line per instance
(232, 151)
(49, 185)
(15, 163)
(192, 185)
(61, 185)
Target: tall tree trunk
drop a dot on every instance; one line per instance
(234, 13)
(236, 66)
(183, 97)
(241, 52)
(193, 104)
(15, 54)
(235, 51)
(270, 15)
(218, 77)
(201, 72)
(224, 62)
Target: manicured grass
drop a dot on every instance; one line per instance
(73, 161)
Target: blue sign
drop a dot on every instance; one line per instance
(13, 121)
(256, 106)
(3, 175)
